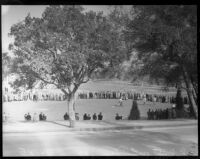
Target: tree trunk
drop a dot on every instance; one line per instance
(71, 109)
(189, 92)
(194, 86)
(194, 95)
(194, 92)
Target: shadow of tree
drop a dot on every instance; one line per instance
(58, 123)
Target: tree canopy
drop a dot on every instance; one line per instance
(63, 47)
(6, 64)
(165, 37)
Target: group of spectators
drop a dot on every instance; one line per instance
(66, 116)
(168, 113)
(94, 116)
(118, 117)
(27, 117)
(85, 116)
(42, 117)
(33, 97)
(24, 96)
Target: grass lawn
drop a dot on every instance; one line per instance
(56, 109)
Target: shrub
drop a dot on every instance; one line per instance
(135, 113)
(182, 113)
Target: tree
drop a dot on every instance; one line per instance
(135, 112)
(115, 44)
(6, 64)
(63, 47)
(166, 40)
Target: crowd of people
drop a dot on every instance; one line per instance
(24, 96)
(66, 116)
(27, 117)
(85, 116)
(118, 117)
(168, 113)
(94, 116)
(42, 117)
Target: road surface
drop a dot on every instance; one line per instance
(152, 141)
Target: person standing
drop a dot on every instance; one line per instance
(121, 101)
(35, 117)
(44, 117)
(144, 99)
(4, 116)
(173, 111)
(88, 117)
(148, 114)
(40, 116)
(169, 113)
(28, 117)
(85, 116)
(154, 100)
(100, 116)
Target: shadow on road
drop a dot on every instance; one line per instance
(58, 123)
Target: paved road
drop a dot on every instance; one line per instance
(154, 141)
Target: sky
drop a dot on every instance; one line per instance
(11, 14)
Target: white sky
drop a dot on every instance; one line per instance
(12, 14)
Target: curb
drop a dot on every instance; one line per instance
(129, 127)
(107, 128)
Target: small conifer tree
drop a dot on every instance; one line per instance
(135, 113)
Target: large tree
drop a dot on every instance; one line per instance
(63, 47)
(6, 64)
(115, 43)
(165, 37)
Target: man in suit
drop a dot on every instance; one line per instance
(94, 116)
(148, 114)
(100, 116)
(117, 117)
(66, 116)
(44, 117)
(85, 116)
(88, 117)
(40, 116)
(29, 116)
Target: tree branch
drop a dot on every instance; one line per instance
(37, 76)
(85, 81)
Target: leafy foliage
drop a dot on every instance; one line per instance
(6, 64)
(165, 38)
(63, 48)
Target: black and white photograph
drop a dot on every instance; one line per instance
(99, 80)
